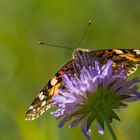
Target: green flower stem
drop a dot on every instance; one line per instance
(108, 125)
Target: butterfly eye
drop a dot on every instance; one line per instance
(80, 52)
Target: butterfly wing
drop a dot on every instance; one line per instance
(129, 57)
(42, 101)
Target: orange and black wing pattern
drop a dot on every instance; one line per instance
(129, 57)
(42, 101)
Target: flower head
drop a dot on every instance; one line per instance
(97, 88)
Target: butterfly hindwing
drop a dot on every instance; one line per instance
(129, 57)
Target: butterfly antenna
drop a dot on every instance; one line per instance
(54, 45)
(85, 32)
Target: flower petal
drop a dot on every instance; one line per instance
(100, 129)
(84, 130)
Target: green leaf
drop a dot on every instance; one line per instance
(100, 120)
(119, 104)
(114, 115)
(121, 97)
(90, 119)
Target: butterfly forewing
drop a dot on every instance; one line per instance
(38, 106)
(42, 101)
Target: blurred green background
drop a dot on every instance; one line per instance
(25, 67)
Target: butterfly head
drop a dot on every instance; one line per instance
(83, 57)
(79, 52)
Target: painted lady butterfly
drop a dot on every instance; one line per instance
(42, 102)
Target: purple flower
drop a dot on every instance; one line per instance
(83, 97)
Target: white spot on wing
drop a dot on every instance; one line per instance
(137, 51)
(118, 51)
(48, 107)
(42, 112)
(38, 108)
(54, 81)
(41, 96)
(43, 103)
(31, 107)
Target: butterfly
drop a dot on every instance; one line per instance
(43, 101)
